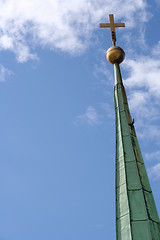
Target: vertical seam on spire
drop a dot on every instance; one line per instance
(116, 68)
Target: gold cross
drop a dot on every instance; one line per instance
(112, 25)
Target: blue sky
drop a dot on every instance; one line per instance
(57, 144)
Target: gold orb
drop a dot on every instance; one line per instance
(115, 54)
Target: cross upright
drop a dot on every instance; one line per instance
(112, 25)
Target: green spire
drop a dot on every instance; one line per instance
(136, 214)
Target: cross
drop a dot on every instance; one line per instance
(112, 25)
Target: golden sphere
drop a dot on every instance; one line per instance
(115, 54)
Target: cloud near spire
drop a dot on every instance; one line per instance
(59, 25)
(90, 117)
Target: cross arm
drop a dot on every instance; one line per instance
(108, 25)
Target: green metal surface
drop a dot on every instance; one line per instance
(136, 213)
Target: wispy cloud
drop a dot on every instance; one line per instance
(109, 110)
(156, 49)
(64, 25)
(153, 155)
(90, 117)
(102, 73)
(157, 2)
(4, 73)
(143, 87)
(154, 172)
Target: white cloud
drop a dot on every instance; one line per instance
(6, 42)
(154, 172)
(90, 117)
(143, 87)
(65, 25)
(144, 73)
(23, 53)
(4, 73)
(156, 49)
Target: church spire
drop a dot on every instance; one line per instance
(136, 213)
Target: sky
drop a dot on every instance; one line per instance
(57, 124)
